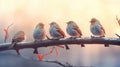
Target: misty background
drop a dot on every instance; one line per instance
(26, 14)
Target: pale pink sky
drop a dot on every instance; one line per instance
(30, 12)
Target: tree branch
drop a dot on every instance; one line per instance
(59, 63)
(69, 41)
(56, 62)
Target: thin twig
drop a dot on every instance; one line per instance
(9, 26)
(117, 35)
(48, 61)
(56, 62)
(7, 32)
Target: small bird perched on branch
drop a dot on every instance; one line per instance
(97, 29)
(73, 30)
(56, 32)
(39, 34)
(18, 37)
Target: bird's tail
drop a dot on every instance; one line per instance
(13, 44)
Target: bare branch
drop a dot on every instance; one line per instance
(49, 61)
(118, 20)
(56, 42)
(56, 62)
(69, 41)
(6, 30)
(9, 26)
(117, 35)
(61, 64)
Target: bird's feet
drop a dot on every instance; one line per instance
(102, 36)
(35, 51)
(72, 38)
(37, 41)
(92, 37)
(82, 45)
(106, 45)
(55, 39)
(97, 36)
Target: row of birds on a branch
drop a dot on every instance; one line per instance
(56, 32)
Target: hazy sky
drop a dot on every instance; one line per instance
(25, 14)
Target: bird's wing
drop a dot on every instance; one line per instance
(119, 22)
(19, 37)
(60, 31)
(39, 34)
(102, 27)
(78, 29)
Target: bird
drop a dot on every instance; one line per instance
(56, 32)
(74, 30)
(38, 34)
(97, 29)
(18, 37)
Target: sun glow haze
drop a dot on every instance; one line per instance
(25, 14)
(31, 12)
